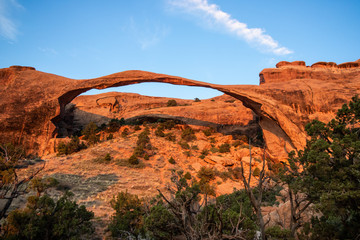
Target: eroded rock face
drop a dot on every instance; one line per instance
(288, 97)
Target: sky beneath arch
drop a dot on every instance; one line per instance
(223, 42)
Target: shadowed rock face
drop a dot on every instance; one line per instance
(32, 102)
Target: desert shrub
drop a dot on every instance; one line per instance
(187, 175)
(170, 137)
(104, 159)
(169, 124)
(276, 232)
(44, 218)
(90, 133)
(205, 151)
(207, 132)
(224, 175)
(133, 160)
(269, 195)
(107, 157)
(188, 134)
(187, 153)
(184, 145)
(243, 138)
(236, 172)
(160, 223)
(125, 132)
(194, 147)
(142, 144)
(171, 103)
(110, 136)
(128, 218)
(146, 156)
(234, 206)
(40, 185)
(172, 160)
(206, 174)
(160, 131)
(224, 148)
(256, 172)
(236, 143)
(71, 147)
(214, 149)
(197, 100)
(137, 128)
(115, 124)
(125, 163)
(212, 140)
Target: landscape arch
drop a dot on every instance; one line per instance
(36, 101)
(266, 122)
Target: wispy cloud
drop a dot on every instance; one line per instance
(49, 51)
(213, 12)
(147, 34)
(8, 29)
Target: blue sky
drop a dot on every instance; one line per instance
(223, 42)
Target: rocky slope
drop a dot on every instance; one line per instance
(289, 96)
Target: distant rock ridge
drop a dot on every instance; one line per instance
(286, 71)
(33, 103)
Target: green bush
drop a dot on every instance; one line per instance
(115, 124)
(194, 147)
(71, 147)
(110, 136)
(169, 124)
(128, 218)
(197, 100)
(234, 206)
(90, 133)
(224, 148)
(133, 160)
(125, 132)
(104, 159)
(256, 172)
(170, 137)
(278, 233)
(236, 143)
(107, 157)
(206, 174)
(205, 151)
(187, 153)
(171, 103)
(172, 160)
(161, 223)
(207, 132)
(142, 144)
(137, 128)
(160, 131)
(188, 134)
(236, 172)
(214, 150)
(187, 176)
(184, 145)
(44, 218)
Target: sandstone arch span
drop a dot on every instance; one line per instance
(31, 101)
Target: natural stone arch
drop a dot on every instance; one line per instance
(267, 123)
(35, 100)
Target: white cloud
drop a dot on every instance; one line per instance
(147, 34)
(8, 28)
(213, 13)
(47, 50)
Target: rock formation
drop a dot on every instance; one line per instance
(32, 103)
